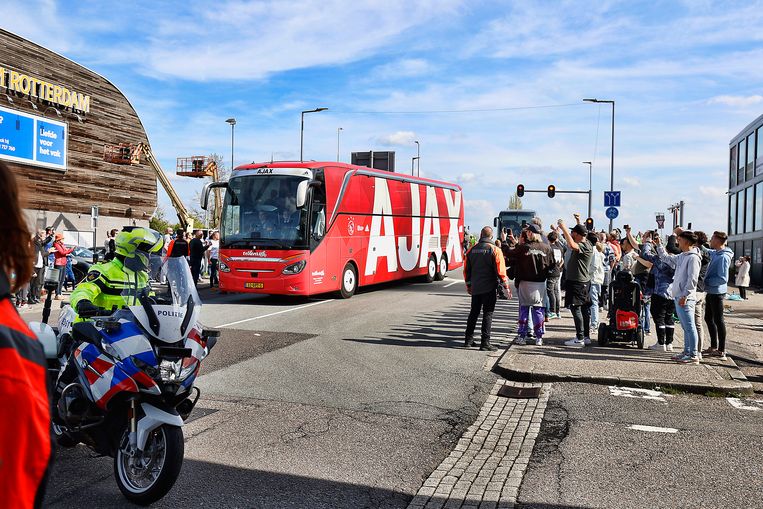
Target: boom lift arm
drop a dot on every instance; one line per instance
(185, 218)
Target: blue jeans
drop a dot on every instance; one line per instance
(686, 316)
(595, 293)
(645, 322)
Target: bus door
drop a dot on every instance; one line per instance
(321, 279)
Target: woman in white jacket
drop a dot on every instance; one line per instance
(743, 275)
(596, 270)
(684, 289)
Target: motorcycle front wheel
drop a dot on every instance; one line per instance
(148, 476)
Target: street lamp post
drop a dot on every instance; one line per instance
(612, 152)
(338, 130)
(418, 159)
(232, 122)
(302, 130)
(590, 181)
(413, 160)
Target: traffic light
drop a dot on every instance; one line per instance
(551, 191)
(589, 224)
(521, 190)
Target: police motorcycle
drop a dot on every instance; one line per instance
(123, 379)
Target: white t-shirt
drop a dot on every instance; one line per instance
(214, 249)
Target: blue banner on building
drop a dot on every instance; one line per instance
(32, 140)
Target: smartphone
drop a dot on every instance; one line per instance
(690, 226)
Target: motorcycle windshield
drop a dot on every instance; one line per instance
(165, 302)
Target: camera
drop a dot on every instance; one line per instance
(626, 227)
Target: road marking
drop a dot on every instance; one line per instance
(274, 314)
(740, 405)
(452, 283)
(631, 392)
(652, 429)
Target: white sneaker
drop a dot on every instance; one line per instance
(669, 348)
(539, 342)
(520, 341)
(575, 342)
(587, 341)
(723, 357)
(657, 346)
(699, 355)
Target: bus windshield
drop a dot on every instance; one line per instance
(262, 210)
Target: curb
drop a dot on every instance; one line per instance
(739, 385)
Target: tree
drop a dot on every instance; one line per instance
(223, 175)
(515, 202)
(158, 221)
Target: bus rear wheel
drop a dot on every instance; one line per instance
(431, 274)
(442, 268)
(349, 281)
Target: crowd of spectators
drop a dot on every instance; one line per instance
(683, 279)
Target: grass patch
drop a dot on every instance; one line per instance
(671, 390)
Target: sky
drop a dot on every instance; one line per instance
(493, 91)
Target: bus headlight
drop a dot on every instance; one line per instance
(224, 267)
(295, 268)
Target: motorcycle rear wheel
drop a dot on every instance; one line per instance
(149, 476)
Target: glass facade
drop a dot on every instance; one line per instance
(745, 196)
(749, 209)
(741, 159)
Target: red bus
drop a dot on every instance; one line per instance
(305, 228)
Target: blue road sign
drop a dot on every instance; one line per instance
(612, 213)
(611, 198)
(32, 139)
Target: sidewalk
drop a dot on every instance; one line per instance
(616, 365)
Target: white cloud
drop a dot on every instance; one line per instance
(713, 191)
(397, 139)
(466, 178)
(631, 181)
(404, 68)
(736, 101)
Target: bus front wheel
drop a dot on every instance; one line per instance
(349, 281)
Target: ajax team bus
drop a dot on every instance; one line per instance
(304, 228)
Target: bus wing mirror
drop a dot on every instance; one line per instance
(495, 222)
(302, 193)
(204, 197)
(302, 189)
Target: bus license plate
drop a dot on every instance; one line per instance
(254, 285)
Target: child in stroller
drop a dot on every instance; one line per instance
(625, 304)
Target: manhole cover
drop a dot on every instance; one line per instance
(508, 391)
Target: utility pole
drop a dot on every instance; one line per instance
(612, 154)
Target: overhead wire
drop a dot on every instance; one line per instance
(475, 110)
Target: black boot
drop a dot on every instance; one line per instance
(486, 346)
(469, 342)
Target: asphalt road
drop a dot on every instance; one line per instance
(599, 450)
(317, 403)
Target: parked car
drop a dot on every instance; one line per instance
(82, 259)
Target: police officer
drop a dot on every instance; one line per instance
(104, 285)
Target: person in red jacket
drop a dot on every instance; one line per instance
(60, 252)
(25, 430)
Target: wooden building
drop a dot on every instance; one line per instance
(40, 88)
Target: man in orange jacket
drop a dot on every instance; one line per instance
(25, 439)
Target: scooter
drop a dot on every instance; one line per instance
(123, 379)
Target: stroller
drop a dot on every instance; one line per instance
(625, 304)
